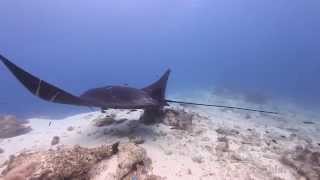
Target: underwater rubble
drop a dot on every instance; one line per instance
(80, 163)
(304, 161)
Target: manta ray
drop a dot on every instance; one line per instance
(107, 97)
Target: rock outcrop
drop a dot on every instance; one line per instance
(55, 140)
(129, 157)
(63, 163)
(113, 162)
(178, 119)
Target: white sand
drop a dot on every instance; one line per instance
(200, 154)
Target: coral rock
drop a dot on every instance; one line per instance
(130, 163)
(129, 156)
(179, 119)
(71, 163)
(222, 145)
(55, 140)
(70, 128)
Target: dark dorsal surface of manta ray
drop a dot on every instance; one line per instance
(113, 97)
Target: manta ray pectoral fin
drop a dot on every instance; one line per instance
(41, 88)
(157, 90)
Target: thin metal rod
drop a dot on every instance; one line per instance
(221, 106)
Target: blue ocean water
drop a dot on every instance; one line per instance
(268, 46)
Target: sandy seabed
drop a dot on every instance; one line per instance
(222, 143)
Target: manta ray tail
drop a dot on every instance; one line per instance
(157, 90)
(41, 88)
(222, 106)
